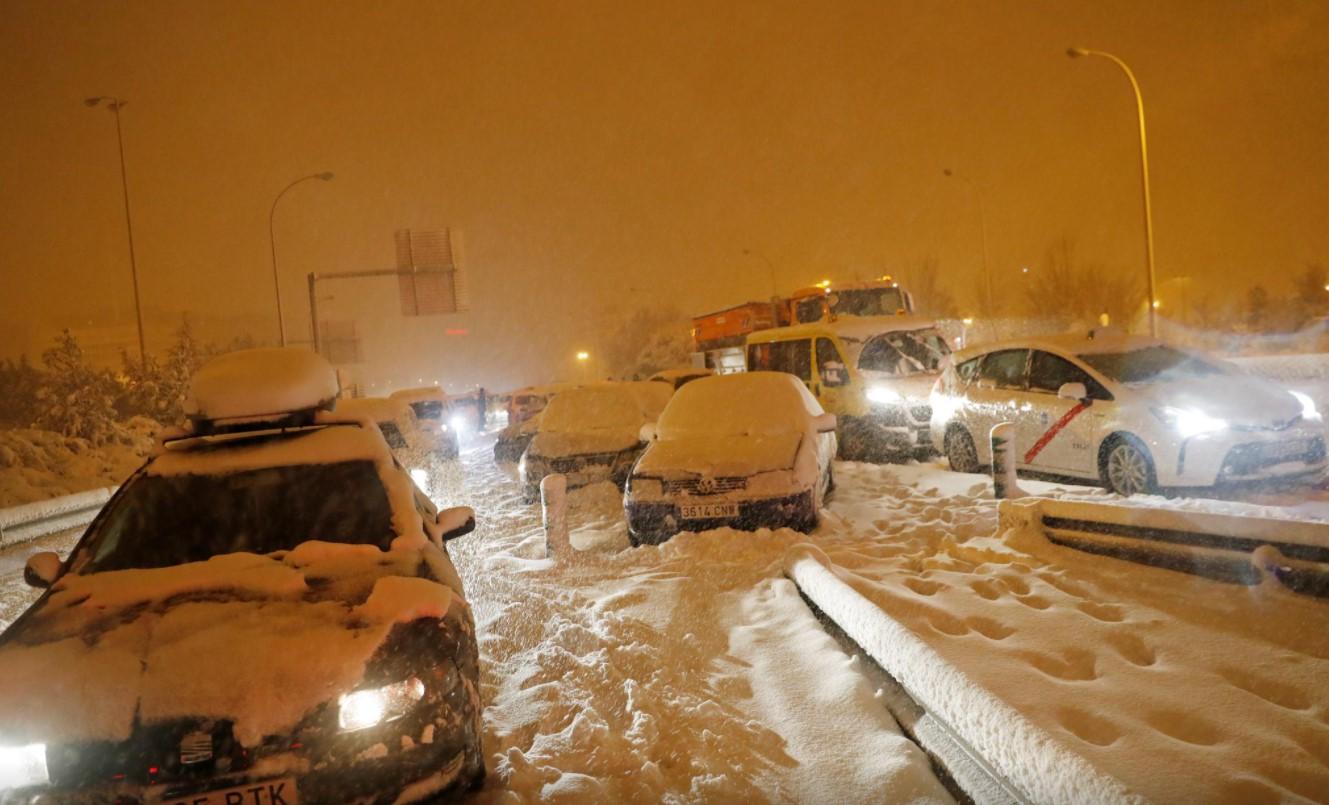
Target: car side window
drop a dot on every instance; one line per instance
(1048, 372)
(969, 369)
(830, 366)
(1005, 369)
(794, 357)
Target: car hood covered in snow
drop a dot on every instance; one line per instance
(258, 640)
(1241, 400)
(720, 456)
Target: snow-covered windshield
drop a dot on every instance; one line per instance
(868, 302)
(165, 520)
(736, 405)
(904, 353)
(1156, 363)
(585, 409)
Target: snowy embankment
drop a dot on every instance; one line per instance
(38, 464)
(1177, 687)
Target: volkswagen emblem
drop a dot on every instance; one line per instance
(706, 486)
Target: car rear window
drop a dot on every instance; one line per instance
(428, 409)
(166, 520)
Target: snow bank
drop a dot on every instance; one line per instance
(37, 464)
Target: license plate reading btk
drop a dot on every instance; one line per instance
(707, 511)
(272, 792)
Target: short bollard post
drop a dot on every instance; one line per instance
(1003, 462)
(554, 503)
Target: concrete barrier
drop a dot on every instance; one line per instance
(554, 504)
(32, 520)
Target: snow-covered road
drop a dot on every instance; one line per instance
(693, 671)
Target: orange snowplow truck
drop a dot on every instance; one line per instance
(718, 337)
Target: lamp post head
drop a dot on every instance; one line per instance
(92, 101)
(1076, 53)
(325, 176)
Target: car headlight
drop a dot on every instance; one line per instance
(420, 477)
(1308, 410)
(363, 709)
(883, 395)
(1188, 422)
(22, 766)
(458, 423)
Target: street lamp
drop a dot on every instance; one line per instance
(983, 234)
(1075, 53)
(325, 176)
(115, 105)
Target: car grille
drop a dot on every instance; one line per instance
(578, 463)
(704, 486)
(1248, 459)
(921, 413)
(1275, 425)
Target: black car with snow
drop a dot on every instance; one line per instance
(265, 613)
(750, 450)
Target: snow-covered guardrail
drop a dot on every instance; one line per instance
(1228, 547)
(32, 520)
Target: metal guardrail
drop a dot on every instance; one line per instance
(1235, 548)
(32, 520)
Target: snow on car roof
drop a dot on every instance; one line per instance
(605, 405)
(852, 328)
(736, 404)
(379, 409)
(261, 383)
(418, 394)
(1073, 343)
(682, 371)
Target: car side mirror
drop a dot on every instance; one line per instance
(1073, 391)
(647, 432)
(457, 521)
(42, 569)
(825, 423)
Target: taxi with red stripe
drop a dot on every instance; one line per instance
(1134, 414)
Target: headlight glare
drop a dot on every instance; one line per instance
(363, 709)
(883, 395)
(458, 423)
(22, 766)
(1188, 422)
(1308, 410)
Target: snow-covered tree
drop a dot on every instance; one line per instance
(19, 382)
(1070, 294)
(74, 399)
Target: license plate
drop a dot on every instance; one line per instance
(707, 511)
(270, 792)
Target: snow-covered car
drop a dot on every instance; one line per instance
(265, 613)
(1134, 414)
(434, 415)
(748, 450)
(512, 441)
(591, 433)
(681, 376)
(527, 402)
(396, 420)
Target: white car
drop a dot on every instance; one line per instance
(434, 415)
(411, 444)
(591, 434)
(750, 450)
(1132, 413)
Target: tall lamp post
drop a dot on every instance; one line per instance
(115, 105)
(1075, 53)
(325, 176)
(983, 235)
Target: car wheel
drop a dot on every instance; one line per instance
(960, 451)
(1128, 470)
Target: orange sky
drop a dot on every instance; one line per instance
(598, 154)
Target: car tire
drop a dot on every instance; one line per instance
(961, 452)
(1127, 468)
